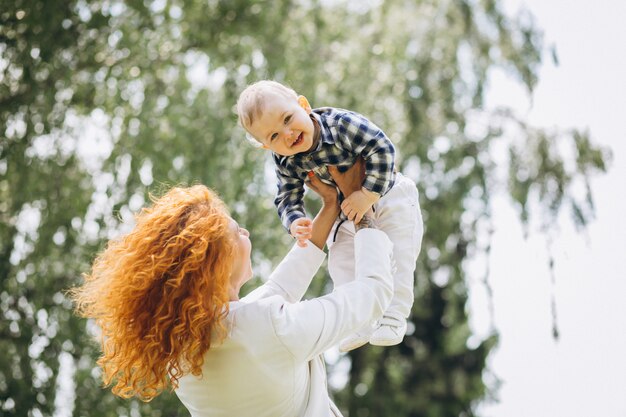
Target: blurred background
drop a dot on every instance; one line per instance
(581, 373)
(504, 112)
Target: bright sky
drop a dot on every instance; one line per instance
(582, 374)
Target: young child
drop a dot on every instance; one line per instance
(305, 141)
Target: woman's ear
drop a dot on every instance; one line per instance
(304, 103)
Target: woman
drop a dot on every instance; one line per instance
(166, 297)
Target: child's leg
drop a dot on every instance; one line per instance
(399, 216)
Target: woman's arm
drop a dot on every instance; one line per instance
(325, 219)
(292, 276)
(308, 328)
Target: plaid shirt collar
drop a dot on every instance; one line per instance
(324, 132)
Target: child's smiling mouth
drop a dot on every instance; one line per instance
(298, 141)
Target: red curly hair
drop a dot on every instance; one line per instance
(160, 293)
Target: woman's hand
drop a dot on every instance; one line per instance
(351, 180)
(328, 193)
(358, 201)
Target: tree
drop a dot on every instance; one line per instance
(104, 102)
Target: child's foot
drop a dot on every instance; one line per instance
(391, 330)
(356, 340)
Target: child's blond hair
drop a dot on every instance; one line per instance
(250, 104)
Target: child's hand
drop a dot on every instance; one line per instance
(302, 230)
(358, 203)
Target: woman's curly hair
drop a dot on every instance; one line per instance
(160, 293)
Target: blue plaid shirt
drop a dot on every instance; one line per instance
(344, 135)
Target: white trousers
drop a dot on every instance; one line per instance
(397, 214)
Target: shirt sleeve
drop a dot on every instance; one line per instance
(292, 276)
(289, 196)
(366, 139)
(308, 328)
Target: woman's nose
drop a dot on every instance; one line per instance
(245, 232)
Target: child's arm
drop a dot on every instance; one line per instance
(289, 197)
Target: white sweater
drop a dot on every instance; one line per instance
(271, 363)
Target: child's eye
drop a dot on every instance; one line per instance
(274, 136)
(287, 119)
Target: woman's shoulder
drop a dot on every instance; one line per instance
(254, 322)
(256, 312)
(251, 305)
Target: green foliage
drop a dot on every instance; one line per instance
(105, 102)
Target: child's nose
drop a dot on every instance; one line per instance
(287, 132)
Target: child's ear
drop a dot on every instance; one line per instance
(264, 146)
(304, 103)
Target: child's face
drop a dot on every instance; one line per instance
(284, 127)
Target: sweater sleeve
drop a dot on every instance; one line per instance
(292, 276)
(308, 328)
